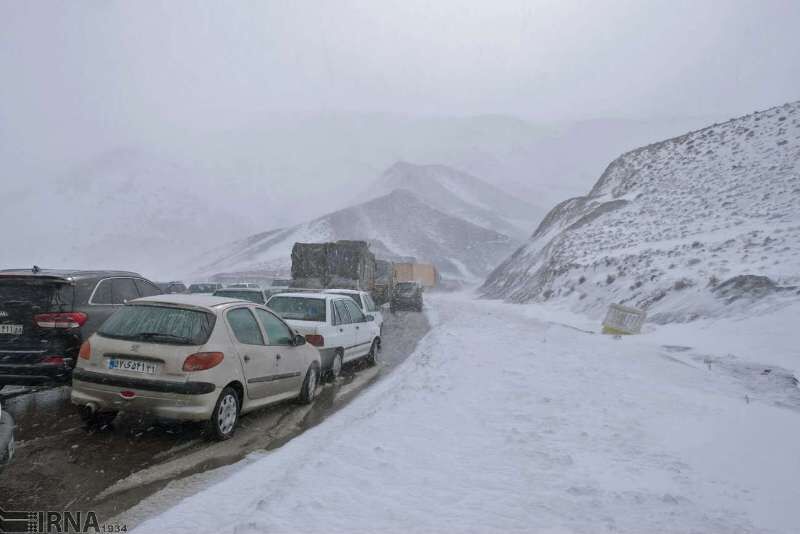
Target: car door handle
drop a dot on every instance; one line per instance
(341, 330)
(246, 358)
(278, 357)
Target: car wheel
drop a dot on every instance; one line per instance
(226, 415)
(309, 389)
(96, 420)
(336, 366)
(372, 355)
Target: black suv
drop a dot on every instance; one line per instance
(46, 314)
(406, 296)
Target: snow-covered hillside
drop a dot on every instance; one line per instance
(538, 427)
(461, 195)
(397, 225)
(700, 225)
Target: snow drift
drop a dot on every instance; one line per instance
(700, 225)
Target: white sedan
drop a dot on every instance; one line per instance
(334, 324)
(364, 302)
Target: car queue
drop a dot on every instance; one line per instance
(126, 346)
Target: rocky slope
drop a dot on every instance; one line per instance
(700, 225)
(398, 224)
(461, 195)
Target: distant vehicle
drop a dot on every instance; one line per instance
(208, 287)
(192, 358)
(46, 314)
(257, 296)
(425, 274)
(247, 285)
(6, 438)
(347, 264)
(332, 323)
(385, 279)
(172, 287)
(364, 302)
(406, 296)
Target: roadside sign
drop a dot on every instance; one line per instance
(623, 320)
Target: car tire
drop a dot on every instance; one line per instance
(336, 366)
(97, 420)
(308, 391)
(223, 420)
(372, 355)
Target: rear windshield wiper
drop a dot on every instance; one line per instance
(161, 335)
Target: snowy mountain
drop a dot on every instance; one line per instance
(700, 225)
(461, 195)
(397, 225)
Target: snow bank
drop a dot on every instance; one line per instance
(506, 420)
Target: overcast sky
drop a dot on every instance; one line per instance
(80, 73)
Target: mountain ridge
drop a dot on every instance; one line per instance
(668, 222)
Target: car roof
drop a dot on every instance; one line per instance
(240, 289)
(345, 291)
(319, 295)
(197, 300)
(66, 274)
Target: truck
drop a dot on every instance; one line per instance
(424, 273)
(341, 264)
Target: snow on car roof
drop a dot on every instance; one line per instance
(304, 295)
(192, 299)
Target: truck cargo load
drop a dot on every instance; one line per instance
(341, 264)
(424, 273)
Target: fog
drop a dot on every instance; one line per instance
(253, 115)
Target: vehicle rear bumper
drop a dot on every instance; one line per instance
(34, 374)
(185, 401)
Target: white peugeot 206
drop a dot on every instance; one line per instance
(334, 324)
(195, 358)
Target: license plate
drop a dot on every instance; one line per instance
(11, 329)
(136, 366)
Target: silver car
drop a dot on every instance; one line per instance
(192, 357)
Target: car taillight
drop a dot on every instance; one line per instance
(60, 320)
(200, 361)
(53, 360)
(316, 340)
(86, 351)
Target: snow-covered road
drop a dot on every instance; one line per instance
(504, 421)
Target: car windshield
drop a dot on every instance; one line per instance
(251, 296)
(406, 288)
(40, 295)
(160, 324)
(355, 296)
(299, 308)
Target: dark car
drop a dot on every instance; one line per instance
(46, 314)
(259, 296)
(169, 288)
(406, 296)
(204, 288)
(6, 438)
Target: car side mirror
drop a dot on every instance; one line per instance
(298, 340)
(369, 318)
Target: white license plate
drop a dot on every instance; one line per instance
(11, 329)
(136, 366)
